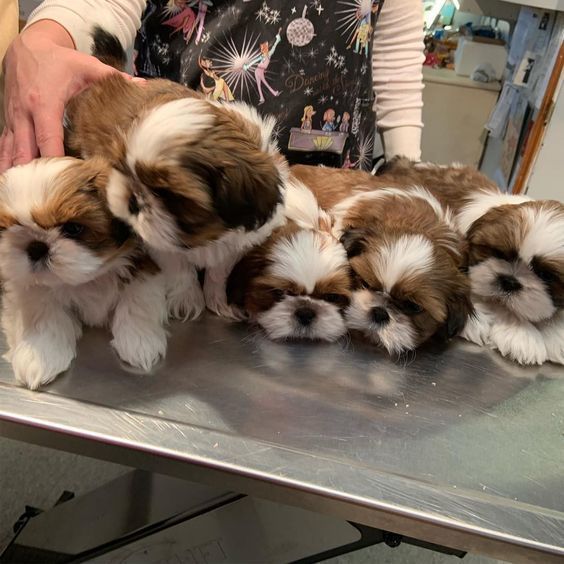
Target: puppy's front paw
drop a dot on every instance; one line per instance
(553, 335)
(521, 343)
(140, 345)
(185, 305)
(34, 368)
(216, 301)
(478, 326)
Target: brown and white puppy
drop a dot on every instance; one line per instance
(198, 181)
(65, 260)
(296, 285)
(406, 256)
(516, 259)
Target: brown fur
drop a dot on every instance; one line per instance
(100, 116)
(453, 186)
(332, 185)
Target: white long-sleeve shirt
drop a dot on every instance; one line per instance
(396, 61)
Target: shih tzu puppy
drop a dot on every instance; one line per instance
(200, 182)
(516, 260)
(297, 284)
(64, 261)
(406, 257)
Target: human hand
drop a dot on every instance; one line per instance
(42, 71)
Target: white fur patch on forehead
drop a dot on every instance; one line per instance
(266, 124)
(307, 257)
(482, 203)
(151, 137)
(407, 256)
(544, 233)
(28, 186)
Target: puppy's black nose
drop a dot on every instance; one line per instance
(509, 283)
(305, 315)
(37, 250)
(379, 315)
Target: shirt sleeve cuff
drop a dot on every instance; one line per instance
(72, 21)
(402, 141)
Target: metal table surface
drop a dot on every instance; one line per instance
(460, 448)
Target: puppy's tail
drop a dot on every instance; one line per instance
(107, 48)
(301, 206)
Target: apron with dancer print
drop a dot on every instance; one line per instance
(308, 63)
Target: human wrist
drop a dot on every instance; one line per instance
(402, 141)
(48, 31)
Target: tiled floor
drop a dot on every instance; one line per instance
(37, 476)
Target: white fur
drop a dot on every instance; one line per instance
(155, 133)
(28, 186)
(483, 202)
(478, 326)
(184, 296)
(279, 322)
(519, 340)
(396, 336)
(553, 335)
(301, 206)
(41, 333)
(139, 336)
(307, 257)
(544, 234)
(405, 257)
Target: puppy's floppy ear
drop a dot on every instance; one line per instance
(354, 241)
(247, 196)
(459, 309)
(243, 273)
(244, 190)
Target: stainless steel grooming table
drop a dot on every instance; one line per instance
(455, 447)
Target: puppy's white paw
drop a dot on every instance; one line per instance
(34, 367)
(522, 343)
(478, 327)
(216, 300)
(553, 335)
(140, 345)
(185, 305)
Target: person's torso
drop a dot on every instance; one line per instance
(308, 63)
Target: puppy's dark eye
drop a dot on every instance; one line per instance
(409, 308)
(546, 275)
(277, 294)
(499, 254)
(337, 299)
(72, 230)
